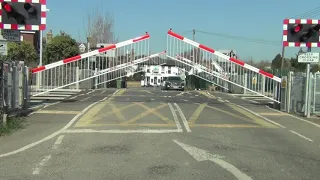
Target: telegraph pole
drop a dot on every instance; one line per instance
(193, 34)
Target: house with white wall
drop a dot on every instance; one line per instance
(154, 75)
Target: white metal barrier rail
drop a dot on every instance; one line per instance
(239, 73)
(126, 68)
(201, 76)
(69, 72)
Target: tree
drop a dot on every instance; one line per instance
(21, 52)
(276, 62)
(60, 47)
(263, 65)
(99, 27)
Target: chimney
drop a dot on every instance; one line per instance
(49, 36)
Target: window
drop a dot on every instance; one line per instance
(158, 80)
(169, 70)
(151, 80)
(148, 70)
(162, 70)
(174, 78)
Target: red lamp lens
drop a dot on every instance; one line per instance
(7, 7)
(297, 28)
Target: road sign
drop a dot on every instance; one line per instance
(11, 35)
(284, 82)
(254, 80)
(3, 48)
(310, 57)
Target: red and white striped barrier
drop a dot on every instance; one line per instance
(219, 54)
(88, 54)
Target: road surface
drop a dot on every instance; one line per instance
(146, 133)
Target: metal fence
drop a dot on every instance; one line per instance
(14, 87)
(301, 94)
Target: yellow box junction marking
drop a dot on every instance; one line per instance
(132, 125)
(249, 118)
(273, 114)
(118, 113)
(226, 125)
(255, 119)
(162, 117)
(120, 92)
(196, 114)
(149, 111)
(147, 91)
(204, 93)
(56, 112)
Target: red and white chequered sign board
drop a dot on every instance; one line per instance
(27, 27)
(298, 21)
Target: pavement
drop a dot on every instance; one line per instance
(146, 133)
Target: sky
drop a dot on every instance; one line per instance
(246, 18)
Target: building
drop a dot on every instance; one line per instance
(32, 38)
(154, 75)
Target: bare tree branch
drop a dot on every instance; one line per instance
(99, 26)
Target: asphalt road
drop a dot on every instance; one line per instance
(152, 134)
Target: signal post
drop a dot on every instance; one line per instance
(303, 33)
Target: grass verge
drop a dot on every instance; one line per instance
(13, 124)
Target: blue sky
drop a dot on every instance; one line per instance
(247, 18)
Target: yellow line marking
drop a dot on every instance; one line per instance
(97, 116)
(196, 113)
(125, 125)
(56, 112)
(162, 117)
(207, 95)
(254, 118)
(120, 92)
(226, 125)
(229, 113)
(118, 113)
(272, 114)
(136, 118)
(147, 91)
(87, 118)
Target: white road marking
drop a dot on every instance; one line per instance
(85, 99)
(185, 100)
(183, 118)
(39, 166)
(251, 101)
(116, 92)
(74, 97)
(75, 118)
(203, 155)
(114, 131)
(175, 117)
(103, 91)
(180, 94)
(317, 125)
(91, 91)
(256, 114)
(302, 136)
(51, 104)
(58, 142)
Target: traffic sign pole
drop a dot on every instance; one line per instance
(308, 95)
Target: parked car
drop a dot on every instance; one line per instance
(174, 83)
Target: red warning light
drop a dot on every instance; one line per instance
(297, 28)
(7, 7)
